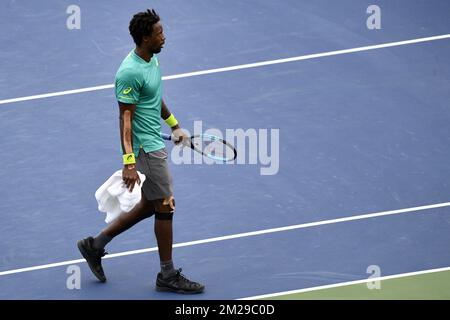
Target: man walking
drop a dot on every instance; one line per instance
(139, 94)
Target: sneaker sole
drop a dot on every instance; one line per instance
(165, 289)
(85, 255)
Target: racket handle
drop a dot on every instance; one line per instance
(166, 136)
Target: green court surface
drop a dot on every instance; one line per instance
(429, 286)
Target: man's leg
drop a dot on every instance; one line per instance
(92, 249)
(164, 237)
(164, 234)
(169, 279)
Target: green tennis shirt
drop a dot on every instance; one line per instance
(138, 82)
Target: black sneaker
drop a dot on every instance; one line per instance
(178, 283)
(93, 257)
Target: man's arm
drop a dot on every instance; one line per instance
(129, 172)
(178, 135)
(165, 114)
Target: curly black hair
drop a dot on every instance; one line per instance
(142, 25)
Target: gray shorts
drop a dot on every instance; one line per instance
(158, 181)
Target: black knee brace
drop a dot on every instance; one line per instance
(164, 208)
(164, 215)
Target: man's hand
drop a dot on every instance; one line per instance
(179, 136)
(130, 176)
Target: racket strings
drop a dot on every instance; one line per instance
(214, 148)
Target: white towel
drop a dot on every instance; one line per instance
(113, 197)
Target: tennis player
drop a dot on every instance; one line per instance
(139, 93)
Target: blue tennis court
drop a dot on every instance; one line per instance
(359, 132)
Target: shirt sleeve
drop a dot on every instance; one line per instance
(127, 86)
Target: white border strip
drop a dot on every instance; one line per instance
(239, 67)
(343, 284)
(239, 235)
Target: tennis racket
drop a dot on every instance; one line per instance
(210, 146)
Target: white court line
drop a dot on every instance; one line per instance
(239, 235)
(239, 67)
(343, 284)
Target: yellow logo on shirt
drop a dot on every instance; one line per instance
(127, 90)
